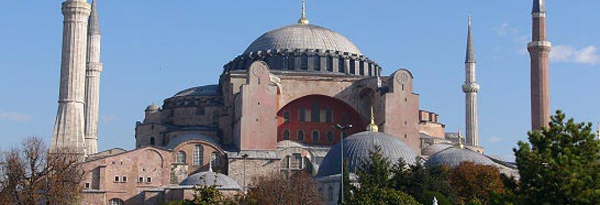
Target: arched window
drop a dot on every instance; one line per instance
(317, 62)
(285, 163)
(291, 63)
(302, 114)
(315, 136)
(286, 116)
(115, 201)
(330, 193)
(181, 157)
(315, 112)
(152, 141)
(198, 155)
(328, 115)
(329, 63)
(330, 136)
(362, 68)
(304, 62)
(286, 135)
(296, 162)
(353, 66)
(215, 160)
(300, 135)
(341, 65)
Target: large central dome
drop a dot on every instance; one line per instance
(303, 36)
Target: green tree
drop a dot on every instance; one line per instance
(374, 176)
(560, 164)
(424, 183)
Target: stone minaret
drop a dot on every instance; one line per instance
(69, 126)
(470, 88)
(92, 82)
(539, 50)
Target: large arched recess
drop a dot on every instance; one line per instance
(339, 113)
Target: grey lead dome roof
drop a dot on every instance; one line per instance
(221, 181)
(453, 156)
(301, 36)
(206, 90)
(358, 146)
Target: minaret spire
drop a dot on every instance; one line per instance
(372, 126)
(471, 88)
(92, 81)
(460, 141)
(69, 126)
(303, 19)
(539, 51)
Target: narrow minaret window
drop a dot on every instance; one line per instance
(69, 127)
(470, 88)
(92, 82)
(539, 51)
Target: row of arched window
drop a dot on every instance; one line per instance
(315, 135)
(198, 157)
(315, 114)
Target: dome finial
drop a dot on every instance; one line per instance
(372, 126)
(303, 20)
(460, 144)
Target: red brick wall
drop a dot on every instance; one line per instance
(338, 109)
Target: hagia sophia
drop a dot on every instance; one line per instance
(282, 106)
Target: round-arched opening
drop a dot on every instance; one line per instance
(307, 118)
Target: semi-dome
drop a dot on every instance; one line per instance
(453, 156)
(185, 138)
(206, 90)
(221, 181)
(435, 148)
(358, 146)
(303, 36)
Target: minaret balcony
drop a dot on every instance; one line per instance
(470, 87)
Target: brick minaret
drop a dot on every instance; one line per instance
(69, 126)
(92, 82)
(471, 88)
(539, 50)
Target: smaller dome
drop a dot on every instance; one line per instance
(207, 90)
(434, 148)
(358, 146)
(453, 156)
(221, 181)
(152, 107)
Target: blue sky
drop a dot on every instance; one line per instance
(153, 49)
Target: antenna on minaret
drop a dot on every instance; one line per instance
(303, 20)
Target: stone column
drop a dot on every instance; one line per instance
(92, 84)
(69, 126)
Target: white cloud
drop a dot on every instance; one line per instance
(495, 139)
(15, 117)
(109, 118)
(505, 29)
(568, 54)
